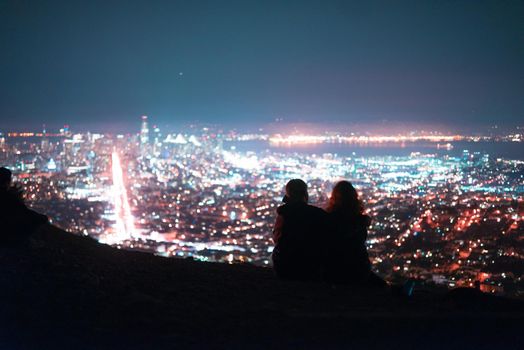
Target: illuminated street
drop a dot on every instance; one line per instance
(124, 222)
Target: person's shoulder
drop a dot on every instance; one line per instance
(13, 196)
(363, 219)
(353, 220)
(314, 210)
(282, 209)
(336, 215)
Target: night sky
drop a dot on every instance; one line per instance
(87, 62)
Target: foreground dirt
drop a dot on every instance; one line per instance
(63, 291)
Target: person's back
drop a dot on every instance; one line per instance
(16, 220)
(296, 233)
(5, 179)
(347, 261)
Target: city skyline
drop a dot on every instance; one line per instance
(279, 125)
(445, 209)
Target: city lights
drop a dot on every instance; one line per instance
(449, 215)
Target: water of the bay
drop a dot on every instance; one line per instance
(506, 150)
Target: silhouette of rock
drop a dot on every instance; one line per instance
(65, 291)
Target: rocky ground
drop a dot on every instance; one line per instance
(59, 291)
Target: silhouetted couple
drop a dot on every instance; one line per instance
(315, 244)
(16, 220)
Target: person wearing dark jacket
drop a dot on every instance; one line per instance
(16, 220)
(348, 261)
(5, 179)
(297, 232)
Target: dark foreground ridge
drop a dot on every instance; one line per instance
(64, 291)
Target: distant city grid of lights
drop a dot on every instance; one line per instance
(451, 220)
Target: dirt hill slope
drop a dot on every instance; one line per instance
(63, 291)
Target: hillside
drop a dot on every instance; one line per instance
(64, 291)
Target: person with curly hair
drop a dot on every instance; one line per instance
(348, 260)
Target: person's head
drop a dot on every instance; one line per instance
(296, 192)
(5, 178)
(344, 197)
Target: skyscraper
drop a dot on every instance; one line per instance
(144, 135)
(157, 142)
(144, 131)
(45, 141)
(2, 142)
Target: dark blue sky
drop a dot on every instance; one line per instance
(246, 61)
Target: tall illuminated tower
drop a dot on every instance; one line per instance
(144, 132)
(157, 143)
(144, 136)
(45, 141)
(2, 142)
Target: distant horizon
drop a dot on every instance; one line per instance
(383, 126)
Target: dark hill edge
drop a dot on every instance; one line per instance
(65, 291)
